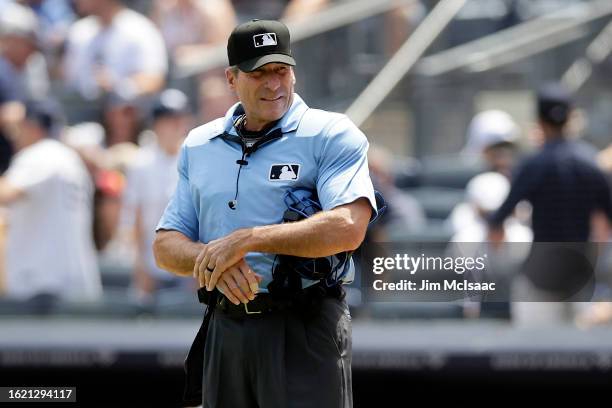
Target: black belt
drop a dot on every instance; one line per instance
(305, 300)
(263, 303)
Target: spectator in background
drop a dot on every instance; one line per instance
(565, 189)
(55, 18)
(50, 252)
(485, 193)
(299, 9)
(107, 165)
(191, 29)
(400, 23)
(491, 137)
(114, 50)
(288, 10)
(404, 214)
(562, 181)
(112, 240)
(122, 121)
(190, 26)
(23, 73)
(150, 183)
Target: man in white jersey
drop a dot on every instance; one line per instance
(50, 250)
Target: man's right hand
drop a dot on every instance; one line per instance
(238, 283)
(496, 236)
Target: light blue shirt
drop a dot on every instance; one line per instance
(318, 150)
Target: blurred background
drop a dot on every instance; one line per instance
(96, 97)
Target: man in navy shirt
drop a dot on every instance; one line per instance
(566, 189)
(561, 181)
(224, 225)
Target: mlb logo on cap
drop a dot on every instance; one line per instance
(263, 40)
(257, 43)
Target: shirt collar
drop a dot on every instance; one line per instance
(555, 141)
(288, 123)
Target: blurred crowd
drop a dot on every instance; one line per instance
(538, 207)
(92, 118)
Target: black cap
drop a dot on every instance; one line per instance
(554, 104)
(259, 42)
(170, 102)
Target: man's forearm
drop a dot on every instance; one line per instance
(324, 234)
(175, 252)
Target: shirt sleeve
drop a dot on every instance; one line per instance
(343, 167)
(523, 184)
(150, 52)
(27, 174)
(180, 214)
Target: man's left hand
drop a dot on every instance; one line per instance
(219, 255)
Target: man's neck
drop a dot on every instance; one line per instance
(169, 149)
(106, 16)
(552, 133)
(553, 136)
(27, 143)
(260, 131)
(251, 125)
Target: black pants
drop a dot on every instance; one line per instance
(280, 360)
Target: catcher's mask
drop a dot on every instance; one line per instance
(330, 270)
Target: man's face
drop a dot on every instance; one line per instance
(121, 123)
(266, 93)
(88, 7)
(26, 133)
(18, 49)
(172, 128)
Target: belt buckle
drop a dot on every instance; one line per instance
(246, 309)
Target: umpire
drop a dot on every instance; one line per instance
(270, 341)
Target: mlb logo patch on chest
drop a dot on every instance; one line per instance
(281, 172)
